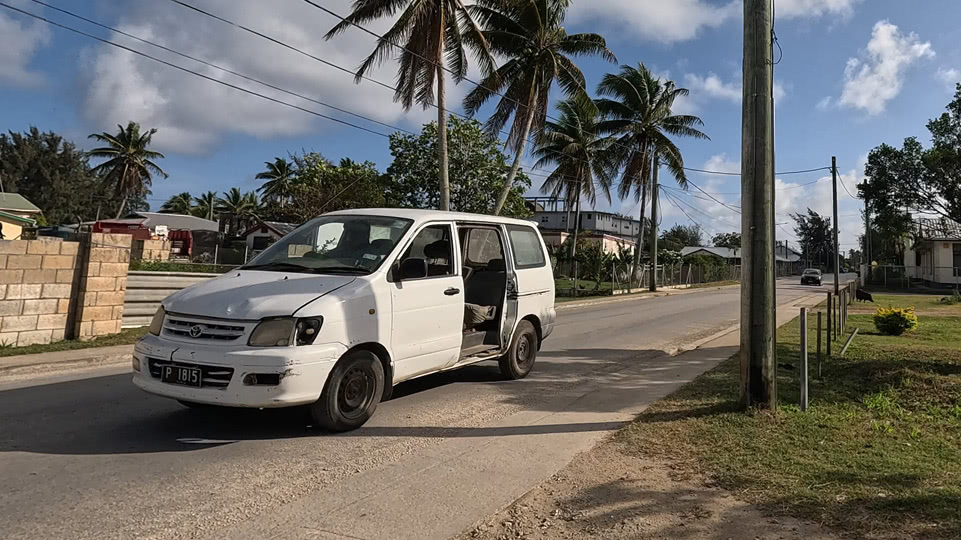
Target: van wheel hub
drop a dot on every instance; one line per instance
(356, 391)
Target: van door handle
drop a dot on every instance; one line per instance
(452, 291)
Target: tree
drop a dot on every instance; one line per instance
(242, 208)
(179, 204)
(206, 205)
(54, 175)
(530, 36)
(279, 176)
(432, 31)
(322, 187)
(816, 237)
(579, 157)
(129, 165)
(729, 240)
(478, 169)
(681, 236)
(639, 120)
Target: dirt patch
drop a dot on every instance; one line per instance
(608, 493)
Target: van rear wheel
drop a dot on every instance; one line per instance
(351, 394)
(519, 360)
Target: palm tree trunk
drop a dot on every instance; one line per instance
(442, 125)
(528, 122)
(123, 191)
(640, 233)
(577, 226)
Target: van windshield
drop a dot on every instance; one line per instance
(334, 245)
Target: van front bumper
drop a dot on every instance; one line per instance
(300, 372)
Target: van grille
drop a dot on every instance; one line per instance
(211, 376)
(202, 329)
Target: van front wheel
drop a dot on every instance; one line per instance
(351, 393)
(519, 360)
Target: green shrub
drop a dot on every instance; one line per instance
(895, 321)
(952, 300)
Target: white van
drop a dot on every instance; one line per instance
(350, 304)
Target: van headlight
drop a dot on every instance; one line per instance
(307, 330)
(272, 333)
(157, 323)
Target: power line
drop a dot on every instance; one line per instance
(195, 73)
(670, 199)
(217, 67)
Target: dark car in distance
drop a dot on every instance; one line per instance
(811, 276)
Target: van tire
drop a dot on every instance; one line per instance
(351, 393)
(519, 360)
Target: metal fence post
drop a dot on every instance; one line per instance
(804, 358)
(830, 308)
(819, 345)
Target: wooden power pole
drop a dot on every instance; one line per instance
(837, 248)
(654, 200)
(758, 367)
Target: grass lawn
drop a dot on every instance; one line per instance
(125, 337)
(878, 454)
(923, 304)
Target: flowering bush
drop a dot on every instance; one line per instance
(895, 321)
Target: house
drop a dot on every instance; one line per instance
(262, 234)
(180, 229)
(555, 219)
(787, 260)
(16, 213)
(608, 242)
(730, 255)
(933, 254)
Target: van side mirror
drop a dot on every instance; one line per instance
(412, 268)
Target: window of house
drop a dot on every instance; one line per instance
(956, 253)
(588, 216)
(543, 219)
(526, 245)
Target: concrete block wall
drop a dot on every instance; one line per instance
(36, 284)
(156, 249)
(51, 289)
(102, 285)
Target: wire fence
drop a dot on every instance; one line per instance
(898, 277)
(613, 277)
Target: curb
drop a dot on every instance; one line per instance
(636, 296)
(39, 364)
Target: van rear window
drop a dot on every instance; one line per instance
(527, 248)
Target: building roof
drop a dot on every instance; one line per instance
(173, 221)
(15, 202)
(18, 219)
(278, 227)
(722, 252)
(938, 229)
(422, 216)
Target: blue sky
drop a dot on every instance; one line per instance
(855, 73)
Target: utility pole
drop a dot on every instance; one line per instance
(654, 195)
(837, 256)
(758, 367)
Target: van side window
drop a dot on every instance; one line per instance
(433, 244)
(526, 246)
(483, 245)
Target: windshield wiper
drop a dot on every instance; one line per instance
(340, 270)
(278, 267)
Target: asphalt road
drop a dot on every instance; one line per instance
(96, 458)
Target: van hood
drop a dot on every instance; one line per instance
(253, 294)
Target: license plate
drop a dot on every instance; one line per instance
(187, 376)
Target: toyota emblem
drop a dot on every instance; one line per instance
(196, 331)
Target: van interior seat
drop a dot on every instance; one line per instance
(486, 285)
(438, 258)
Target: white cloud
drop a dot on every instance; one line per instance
(712, 86)
(815, 8)
(656, 20)
(949, 76)
(825, 103)
(19, 41)
(193, 115)
(877, 77)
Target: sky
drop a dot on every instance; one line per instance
(854, 74)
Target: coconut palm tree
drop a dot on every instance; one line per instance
(129, 165)
(580, 157)
(206, 205)
(241, 207)
(429, 33)
(639, 121)
(178, 204)
(279, 176)
(530, 35)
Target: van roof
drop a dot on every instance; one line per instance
(420, 216)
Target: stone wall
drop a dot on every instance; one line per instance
(36, 285)
(102, 285)
(51, 289)
(156, 249)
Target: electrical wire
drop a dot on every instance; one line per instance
(195, 73)
(217, 67)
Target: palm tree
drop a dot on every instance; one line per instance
(638, 121)
(130, 166)
(530, 35)
(206, 205)
(581, 162)
(432, 31)
(240, 206)
(178, 204)
(279, 177)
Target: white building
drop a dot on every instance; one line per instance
(933, 254)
